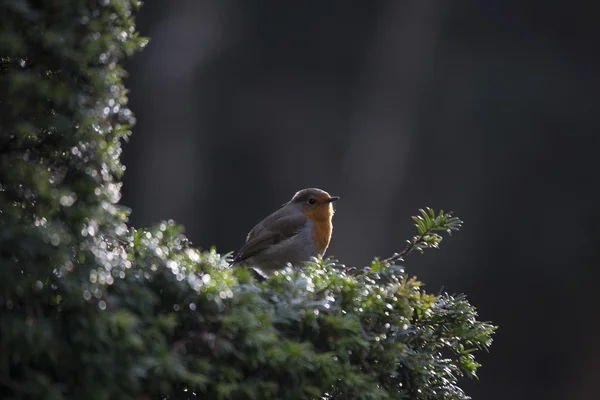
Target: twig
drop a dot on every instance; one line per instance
(427, 223)
(400, 256)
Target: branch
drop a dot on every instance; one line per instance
(427, 224)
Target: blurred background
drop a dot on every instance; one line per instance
(486, 108)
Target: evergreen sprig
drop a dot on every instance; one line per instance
(428, 223)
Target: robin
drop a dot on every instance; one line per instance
(299, 230)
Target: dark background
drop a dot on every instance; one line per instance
(486, 108)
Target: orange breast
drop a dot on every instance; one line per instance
(322, 236)
(321, 218)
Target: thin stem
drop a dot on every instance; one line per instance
(450, 223)
(407, 250)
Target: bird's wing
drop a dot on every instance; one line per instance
(272, 230)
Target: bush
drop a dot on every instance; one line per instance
(94, 309)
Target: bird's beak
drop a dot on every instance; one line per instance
(332, 199)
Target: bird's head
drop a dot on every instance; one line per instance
(316, 204)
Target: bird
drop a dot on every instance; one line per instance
(299, 230)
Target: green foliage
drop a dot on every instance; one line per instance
(427, 224)
(92, 308)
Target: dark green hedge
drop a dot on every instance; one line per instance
(91, 308)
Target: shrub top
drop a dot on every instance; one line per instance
(93, 308)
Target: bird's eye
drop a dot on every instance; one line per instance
(311, 201)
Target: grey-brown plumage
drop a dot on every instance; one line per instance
(299, 230)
